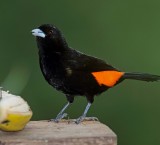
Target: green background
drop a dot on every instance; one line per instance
(124, 33)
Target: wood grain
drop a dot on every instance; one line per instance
(62, 133)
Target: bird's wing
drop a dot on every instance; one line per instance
(81, 62)
(103, 73)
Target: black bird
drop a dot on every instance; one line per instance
(75, 73)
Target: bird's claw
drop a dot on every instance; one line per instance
(82, 118)
(59, 117)
(91, 119)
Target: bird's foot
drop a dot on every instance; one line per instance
(91, 119)
(80, 119)
(83, 118)
(59, 117)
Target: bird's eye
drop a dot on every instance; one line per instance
(50, 32)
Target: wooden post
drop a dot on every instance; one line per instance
(62, 133)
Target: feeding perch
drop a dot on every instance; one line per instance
(62, 133)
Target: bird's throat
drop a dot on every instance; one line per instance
(57, 46)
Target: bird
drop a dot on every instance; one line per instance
(74, 73)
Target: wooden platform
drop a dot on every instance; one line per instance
(63, 133)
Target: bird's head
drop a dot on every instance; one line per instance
(49, 38)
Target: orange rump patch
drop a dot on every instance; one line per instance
(108, 78)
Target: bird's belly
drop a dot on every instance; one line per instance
(53, 75)
(57, 83)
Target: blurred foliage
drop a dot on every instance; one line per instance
(124, 33)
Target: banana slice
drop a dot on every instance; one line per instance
(15, 112)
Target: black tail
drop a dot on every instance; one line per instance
(141, 76)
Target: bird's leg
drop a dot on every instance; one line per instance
(61, 115)
(81, 118)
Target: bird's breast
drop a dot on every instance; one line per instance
(53, 71)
